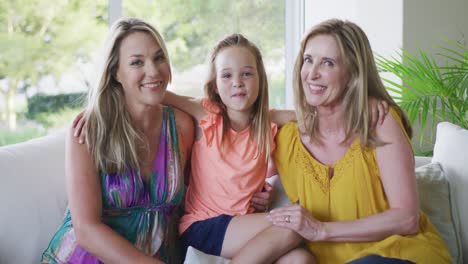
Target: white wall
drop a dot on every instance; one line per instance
(381, 20)
(394, 24)
(427, 21)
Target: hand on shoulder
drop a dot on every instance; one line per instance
(390, 129)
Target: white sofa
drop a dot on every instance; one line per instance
(33, 193)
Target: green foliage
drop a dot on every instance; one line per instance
(192, 28)
(8, 137)
(47, 104)
(57, 119)
(39, 38)
(431, 91)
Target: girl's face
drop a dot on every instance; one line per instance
(324, 75)
(237, 79)
(143, 70)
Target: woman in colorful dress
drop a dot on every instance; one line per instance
(125, 184)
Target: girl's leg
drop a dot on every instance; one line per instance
(240, 230)
(297, 255)
(252, 239)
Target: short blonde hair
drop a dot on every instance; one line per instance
(364, 81)
(260, 121)
(115, 144)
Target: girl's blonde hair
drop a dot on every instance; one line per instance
(114, 142)
(364, 82)
(259, 119)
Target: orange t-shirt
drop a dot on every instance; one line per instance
(222, 184)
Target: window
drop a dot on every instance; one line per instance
(192, 28)
(48, 51)
(45, 62)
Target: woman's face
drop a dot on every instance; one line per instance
(143, 70)
(323, 74)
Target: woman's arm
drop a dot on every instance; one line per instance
(189, 105)
(281, 117)
(378, 109)
(396, 165)
(84, 196)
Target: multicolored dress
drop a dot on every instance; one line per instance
(139, 211)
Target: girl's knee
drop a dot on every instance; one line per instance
(290, 236)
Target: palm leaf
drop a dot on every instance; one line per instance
(427, 90)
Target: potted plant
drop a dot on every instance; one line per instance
(433, 88)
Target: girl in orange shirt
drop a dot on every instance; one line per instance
(234, 140)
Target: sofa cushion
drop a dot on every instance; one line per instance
(195, 256)
(33, 196)
(434, 201)
(450, 151)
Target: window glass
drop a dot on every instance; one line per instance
(46, 53)
(48, 50)
(192, 28)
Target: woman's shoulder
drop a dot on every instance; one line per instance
(182, 118)
(287, 134)
(392, 126)
(184, 126)
(289, 129)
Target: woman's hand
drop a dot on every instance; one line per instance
(378, 109)
(297, 218)
(261, 200)
(79, 126)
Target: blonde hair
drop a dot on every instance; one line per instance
(114, 142)
(259, 120)
(364, 81)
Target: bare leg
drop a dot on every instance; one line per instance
(297, 255)
(268, 246)
(240, 230)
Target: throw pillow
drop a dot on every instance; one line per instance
(435, 202)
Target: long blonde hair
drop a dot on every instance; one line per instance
(259, 120)
(364, 82)
(114, 142)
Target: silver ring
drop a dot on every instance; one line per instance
(287, 219)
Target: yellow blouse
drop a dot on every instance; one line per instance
(355, 191)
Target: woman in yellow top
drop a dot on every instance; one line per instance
(354, 190)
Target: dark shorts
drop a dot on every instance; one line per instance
(207, 235)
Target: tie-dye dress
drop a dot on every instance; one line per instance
(141, 212)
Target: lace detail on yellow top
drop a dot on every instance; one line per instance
(319, 172)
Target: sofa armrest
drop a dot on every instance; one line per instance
(33, 193)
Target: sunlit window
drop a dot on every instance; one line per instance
(45, 63)
(192, 28)
(47, 51)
